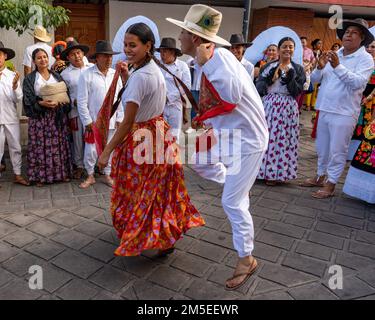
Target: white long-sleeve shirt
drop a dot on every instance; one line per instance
(71, 76)
(249, 67)
(9, 97)
(342, 87)
(234, 85)
(92, 89)
(181, 70)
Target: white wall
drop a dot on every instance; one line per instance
(120, 11)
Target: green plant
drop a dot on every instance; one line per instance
(22, 15)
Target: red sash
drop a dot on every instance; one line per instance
(101, 126)
(210, 102)
(210, 105)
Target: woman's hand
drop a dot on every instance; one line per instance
(276, 74)
(48, 104)
(103, 160)
(124, 70)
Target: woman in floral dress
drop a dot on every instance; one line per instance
(48, 151)
(360, 181)
(150, 206)
(280, 82)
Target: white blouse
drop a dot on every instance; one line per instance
(277, 86)
(146, 87)
(41, 82)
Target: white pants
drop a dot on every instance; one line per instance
(91, 156)
(333, 136)
(78, 145)
(235, 197)
(173, 115)
(11, 133)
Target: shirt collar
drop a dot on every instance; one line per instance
(356, 53)
(96, 69)
(6, 72)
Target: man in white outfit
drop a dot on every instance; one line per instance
(93, 86)
(10, 94)
(75, 53)
(239, 109)
(238, 48)
(343, 76)
(174, 113)
(41, 38)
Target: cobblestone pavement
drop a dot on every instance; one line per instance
(67, 231)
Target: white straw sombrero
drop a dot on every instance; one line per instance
(203, 21)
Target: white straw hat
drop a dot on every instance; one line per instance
(203, 21)
(41, 34)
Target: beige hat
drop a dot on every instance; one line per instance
(41, 34)
(203, 21)
(55, 92)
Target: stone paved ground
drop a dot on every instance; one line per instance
(68, 232)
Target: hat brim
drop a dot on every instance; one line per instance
(214, 39)
(178, 51)
(9, 52)
(112, 53)
(246, 44)
(65, 53)
(369, 37)
(47, 38)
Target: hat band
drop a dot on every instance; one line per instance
(195, 27)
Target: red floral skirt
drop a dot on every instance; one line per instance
(150, 205)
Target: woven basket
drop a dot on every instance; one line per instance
(55, 92)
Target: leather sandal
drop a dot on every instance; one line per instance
(85, 184)
(20, 180)
(247, 275)
(322, 194)
(78, 173)
(313, 182)
(108, 181)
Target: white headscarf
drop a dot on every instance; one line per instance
(272, 36)
(118, 41)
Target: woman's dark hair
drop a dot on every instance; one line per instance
(33, 55)
(144, 33)
(284, 40)
(314, 43)
(271, 45)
